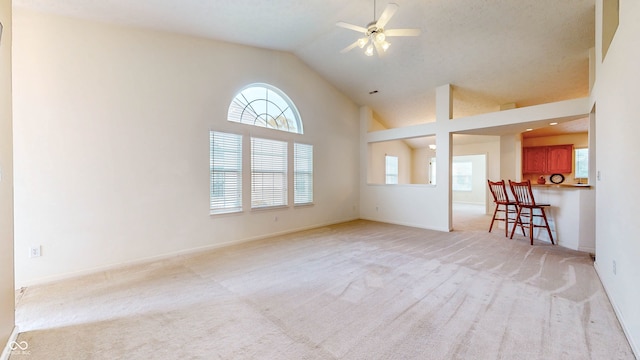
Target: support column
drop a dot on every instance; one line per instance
(444, 113)
(366, 117)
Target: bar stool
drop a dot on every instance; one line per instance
(525, 201)
(501, 198)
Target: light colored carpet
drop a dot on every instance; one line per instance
(358, 290)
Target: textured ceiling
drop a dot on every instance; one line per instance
(493, 52)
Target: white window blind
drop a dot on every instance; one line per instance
(582, 163)
(226, 172)
(303, 174)
(391, 169)
(268, 173)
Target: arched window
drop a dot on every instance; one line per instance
(265, 106)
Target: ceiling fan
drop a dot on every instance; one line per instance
(375, 35)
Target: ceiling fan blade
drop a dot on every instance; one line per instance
(351, 27)
(387, 14)
(402, 32)
(348, 48)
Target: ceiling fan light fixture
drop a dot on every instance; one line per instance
(374, 32)
(369, 51)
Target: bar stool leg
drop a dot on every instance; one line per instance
(531, 226)
(506, 220)
(546, 223)
(518, 221)
(494, 217)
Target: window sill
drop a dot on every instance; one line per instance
(277, 207)
(265, 208)
(230, 212)
(304, 205)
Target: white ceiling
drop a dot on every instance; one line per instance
(493, 52)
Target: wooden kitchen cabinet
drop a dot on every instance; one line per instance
(542, 160)
(559, 159)
(534, 160)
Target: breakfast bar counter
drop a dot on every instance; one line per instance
(571, 215)
(561, 186)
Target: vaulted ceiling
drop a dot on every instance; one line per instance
(493, 52)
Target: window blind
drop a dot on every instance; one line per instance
(226, 172)
(268, 173)
(581, 163)
(302, 174)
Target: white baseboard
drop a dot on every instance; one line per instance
(616, 310)
(191, 251)
(409, 224)
(468, 203)
(590, 250)
(7, 348)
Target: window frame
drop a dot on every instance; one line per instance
(232, 203)
(585, 162)
(257, 175)
(456, 168)
(248, 108)
(277, 193)
(391, 162)
(302, 155)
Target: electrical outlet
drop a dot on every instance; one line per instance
(35, 251)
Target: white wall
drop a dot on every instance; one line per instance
(579, 140)
(7, 294)
(489, 146)
(412, 204)
(112, 143)
(397, 148)
(476, 195)
(617, 128)
(420, 165)
(429, 206)
(510, 157)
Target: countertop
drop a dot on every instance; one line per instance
(562, 186)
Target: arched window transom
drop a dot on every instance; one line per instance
(265, 106)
